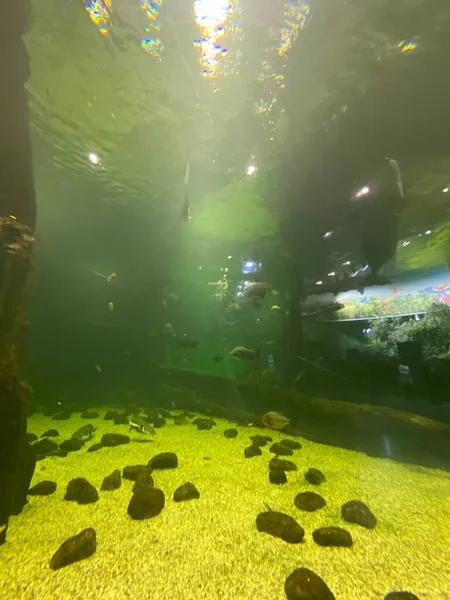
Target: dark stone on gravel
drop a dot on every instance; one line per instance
(281, 450)
(356, 511)
(283, 464)
(95, 447)
(89, 415)
(80, 490)
(143, 480)
(40, 457)
(187, 491)
(50, 433)
(111, 482)
(401, 596)
(43, 488)
(61, 452)
(230, 433)
(158, 422)
(110, 414)
(121, 419)
(45, 446)
(114, 439)
(252, 451)
(72, 444)
(146, 503)
(277, 476)
(303, 584)
(314, 476)
(131, 472)
(260, 440)
(165, 414)
(332, 536)
(204, 423)
(293, 445)
(165, 460)
(61, 416)
(49, 412)
(75, 548)
(32, 437)
(280, 525)
(180, 419)
(309, 501)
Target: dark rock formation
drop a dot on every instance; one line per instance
(280, 450)
(332, 536)
(145, 503)
(187, 491)
(303, 584)
(120, 419)
(95, 447)
(62, 416)
(62, 452)
(32, 437)
(131, 472)
(74, 549)
(204, 423)
(89, 415)
(165, 460)
(401, 596)
(50, 433)
(283, 464)
(277, 476)
(292, 444)
(230, 433)
(252, 451)
(158, 422)
(280, 525)
(81, 491)
(111, 482)
(45, 446)
(110, 414)
(114, 439)
(356, 511)
(314, 476)
(309, 501)
(143, 480)
(72, 444)
(260, 440)
(43, 488)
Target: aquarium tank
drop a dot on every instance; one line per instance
(224, 300)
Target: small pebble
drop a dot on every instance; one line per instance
(131, 472)
(187, 491)
(94, 447)
(32, 437)
(61, 416)
(80, 490)
(314, 476)
(111, 482)
(280, 525)
(401, 596)
(165, 460)
(309, 501)
(146, 503)
(277, 476)
(89, 415)
(283, 464)
(74, 549)
(72, 444)
(158, 422)
(230, 433)
(303, 584)
(43, 488)
(281, 450)
(356, 511)
(114, 439)
(110, 414)
(143, 480)
(332, 536)
(121, 419)
(291, 444)
(252, 451)
(50, 433)
(260, 440)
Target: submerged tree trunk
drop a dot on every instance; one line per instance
(17, 222)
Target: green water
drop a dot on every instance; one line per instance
(274, 120)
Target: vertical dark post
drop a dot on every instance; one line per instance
(17, 222)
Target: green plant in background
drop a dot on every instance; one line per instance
(432, 332)
(384, 307)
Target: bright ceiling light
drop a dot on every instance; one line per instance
(251, 169)
(319, 282)
(427, 232)
(445, 190)
(95, 160)
(332, 274)
(363, 191)
(406, 243)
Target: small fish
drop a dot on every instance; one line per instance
(256, 289)
(186, 210)
(111, 277)
(243, 353)
(141, 425)
(275, 420)
(85, 433)
(218, 358)
(187, 342)
(99, 369)
(110, 306)
(275, 307)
